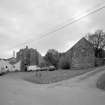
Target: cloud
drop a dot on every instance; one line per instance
(22, 20)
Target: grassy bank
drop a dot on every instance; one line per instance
(46, 77)
(101, 82)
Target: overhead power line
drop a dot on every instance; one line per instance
(92, 11)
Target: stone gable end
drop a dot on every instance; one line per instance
(82, 55)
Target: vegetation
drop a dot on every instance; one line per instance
(98, 40)
(101, 82)
(47, 77)
(64, 63)
(52, 56)
(59, 60)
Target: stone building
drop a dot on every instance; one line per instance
(81, 55)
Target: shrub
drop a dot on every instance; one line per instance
(52, 57)
(64, 63)
(42, 64)
(101, 82)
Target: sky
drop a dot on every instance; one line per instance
(26, 22)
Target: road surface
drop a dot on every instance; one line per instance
(80, 90)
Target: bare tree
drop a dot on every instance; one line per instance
(98, 41)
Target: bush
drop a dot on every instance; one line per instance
(52, 57)
(42, 64)
(101, 82)
(64, 63)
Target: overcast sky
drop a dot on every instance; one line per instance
(28, 20)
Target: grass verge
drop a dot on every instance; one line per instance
(47, 77)
(101, 82)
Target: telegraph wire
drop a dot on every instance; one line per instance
(92, 11)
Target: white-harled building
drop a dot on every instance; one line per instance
(17, 66)
(5, 66)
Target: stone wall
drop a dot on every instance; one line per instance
(99, 62)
